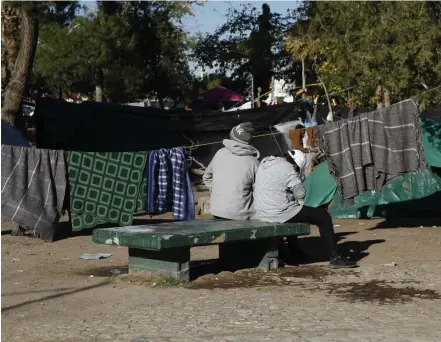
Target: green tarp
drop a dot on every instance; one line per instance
(320, 186)
(412, 194)
(432, 141)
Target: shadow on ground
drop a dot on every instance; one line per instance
(57, 295)
(313, 249)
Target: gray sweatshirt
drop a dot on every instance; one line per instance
(277, 191)
(230, 176)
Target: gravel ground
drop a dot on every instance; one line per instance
(49, 294)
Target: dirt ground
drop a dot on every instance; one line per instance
(50, 294)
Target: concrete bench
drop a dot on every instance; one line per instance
(165, 248)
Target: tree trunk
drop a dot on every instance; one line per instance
(259, 90)
(99, 87)
(383, 97)
(60, 92)
(11, 37)
(379, 96)
(176, 101)
(161, 102)
(99, 95)
(11, 111)
(386, 97)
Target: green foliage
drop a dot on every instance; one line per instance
(47, 13)
(160, 47)
(248, 42)
(132, 49)
(90, 50)
(363, 44)
(61, 12)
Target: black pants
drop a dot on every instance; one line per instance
(221, 218)
(321, 218)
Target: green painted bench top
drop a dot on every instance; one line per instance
(194, 233)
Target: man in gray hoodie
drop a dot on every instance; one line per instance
(230, 175)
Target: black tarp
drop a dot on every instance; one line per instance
(102, 127)
(98, 127)
(92, 126)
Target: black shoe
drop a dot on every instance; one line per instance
(341, 262)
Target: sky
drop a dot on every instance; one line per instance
(208, 17)
(212, 14)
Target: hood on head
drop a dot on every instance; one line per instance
(299, 158)
(240, 149)
(270, 161)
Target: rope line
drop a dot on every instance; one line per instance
(194, 146)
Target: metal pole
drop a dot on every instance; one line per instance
(252, 91)
(303, 75)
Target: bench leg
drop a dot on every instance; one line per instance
(173, 262)
(262, 253)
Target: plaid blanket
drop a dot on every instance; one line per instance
(366, 151)
(166, 165)
(157, 182)
(33, 188)
(104, 187)
(183, 203)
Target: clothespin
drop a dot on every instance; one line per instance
(330, 117)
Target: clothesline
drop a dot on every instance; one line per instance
(193, 146)
(428, 91)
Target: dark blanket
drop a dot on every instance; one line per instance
(33, 188)
(366, 151)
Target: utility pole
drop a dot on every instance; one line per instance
(252, 91)
(303, 80)
(273, 94)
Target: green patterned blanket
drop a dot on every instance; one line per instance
(105, 187)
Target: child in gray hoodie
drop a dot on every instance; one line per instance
(230, 175)
(279, 195)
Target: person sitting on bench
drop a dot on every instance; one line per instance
(278, 197)
(230, 175)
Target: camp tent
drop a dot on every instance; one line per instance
(219, 94)
(11, 136)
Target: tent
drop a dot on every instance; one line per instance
(12, 136)
(220, 94)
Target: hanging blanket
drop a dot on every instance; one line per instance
(168, 175)
(104, 187)
(366, 151)
(33, 188)
(396, 141)
(183, 200)
(142, 201)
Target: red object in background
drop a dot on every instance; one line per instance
(219, 94)
(74, 96)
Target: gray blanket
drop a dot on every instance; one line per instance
(33, 186)
(366, 151)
